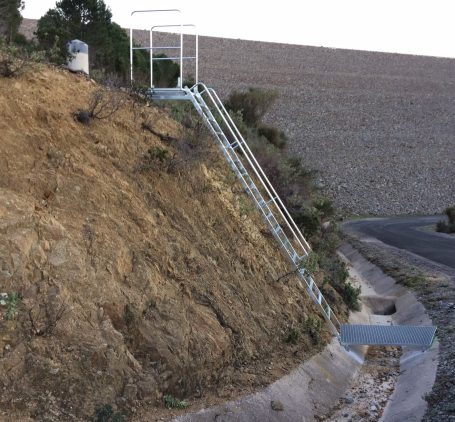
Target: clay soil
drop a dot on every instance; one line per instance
(136, 277)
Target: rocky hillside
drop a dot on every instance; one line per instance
(131, 265)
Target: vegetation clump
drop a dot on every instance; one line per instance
(172, 402)
(104, 103)
(313, 326)
(292, 336)
(12, 302)
(449, 226)
(10, 19)
(313, 213)
(106, 413)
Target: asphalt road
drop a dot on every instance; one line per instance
(408, 233)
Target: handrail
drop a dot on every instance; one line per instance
(262, 172)
(181, 50)
(151, 50)
(255, 166)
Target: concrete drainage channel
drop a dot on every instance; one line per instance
(319, 384)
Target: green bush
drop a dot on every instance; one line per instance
(450, 212)
(442, 226)
(351, 296)
(106, 413)
(158, 154)
(165, 72)
(12, 303)
(128, 314)
(253, 104)
(313, 326)
(172, 402)
(15, 59)
(273, 135)
(308, 218)
(325, 207)
(310, 263)
(292, 336)
(414, 280)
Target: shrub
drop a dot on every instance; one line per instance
(310, 262)
(45, 317)
(442, 226)
(275, 136)
(12, 302)
(351, 296)
(414, 280)
(165, 72)
(104, 103)
(253, 104)
(106, 413)
(246, 207)
(128, 314)
(158, 158)
(313, 326)
(325, 207)
(308, 218)
(450, 212)
(172, 402)
(292, 336)
(15, 60)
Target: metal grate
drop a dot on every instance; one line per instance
(387, 335)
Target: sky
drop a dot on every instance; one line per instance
(423, 27)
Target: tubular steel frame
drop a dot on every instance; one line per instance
(151, 48)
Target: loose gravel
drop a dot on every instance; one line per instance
(379, 128)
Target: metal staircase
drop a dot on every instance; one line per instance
(257, 185)
(291, 240)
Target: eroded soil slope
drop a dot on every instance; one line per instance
(135, 278)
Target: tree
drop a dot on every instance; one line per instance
(10, 18)
(89, 21)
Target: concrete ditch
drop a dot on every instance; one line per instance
(318, 384)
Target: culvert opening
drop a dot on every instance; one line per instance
(380, 305)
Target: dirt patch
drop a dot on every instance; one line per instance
(135, 279)
(367, 397)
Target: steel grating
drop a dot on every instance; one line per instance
(387, 335)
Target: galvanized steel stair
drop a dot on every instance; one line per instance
(279, 221)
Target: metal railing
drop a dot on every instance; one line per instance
(181, 58)
(271, 201)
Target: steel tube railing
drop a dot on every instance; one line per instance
(151, 49)
(258, 170)
(181, 48)
(276, 197)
